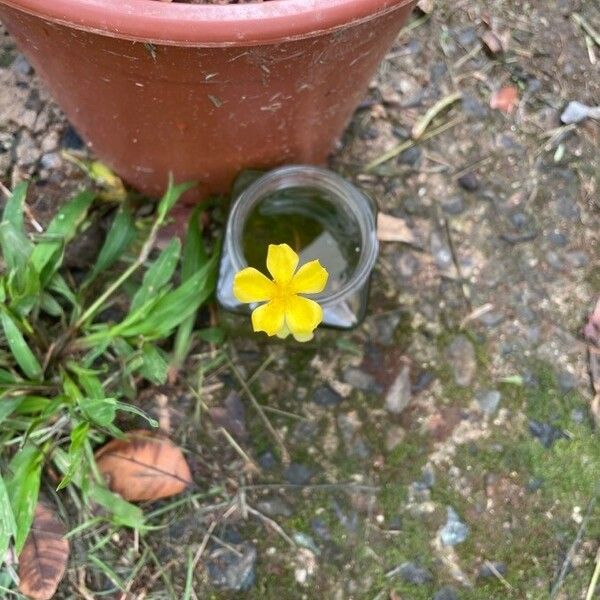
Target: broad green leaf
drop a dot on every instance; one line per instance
(23, 489)
(176, 306)
(124, 513)
(78, 436)
(60, 286)
(155, 365)
(131, 408)
(7, 406)
(33, 404)
(158, 275)
(50, 306)
(19, 348)
(16, 247)
(8, 526)
(72, 392)
(13, 211)
(24, 290)
(61, 230)
(118, 239)
(101, 411)
(6, 377)
(171, 196)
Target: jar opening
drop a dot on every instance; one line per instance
(318, 214)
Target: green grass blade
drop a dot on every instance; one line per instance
(8, 526)
(155, 365)
(19, 348)
(13, 211)
(23, 490)
(118, 239)
(171, 196)
(16, 247)
(7, 406)
(61, 229)
(157, 275)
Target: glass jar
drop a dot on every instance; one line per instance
(321, 216)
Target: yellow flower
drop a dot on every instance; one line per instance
(284, 311)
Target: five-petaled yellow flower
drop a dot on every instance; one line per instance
(285, 311)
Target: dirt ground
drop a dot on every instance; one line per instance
(446, 448)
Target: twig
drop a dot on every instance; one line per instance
(498, 575)
(571, 553)
(594, 579)
(315, 486)
(421, 125)
(251, 464)
(285, 456)
(273, 525)
(410, 143)
(577, 18)
(203, 545)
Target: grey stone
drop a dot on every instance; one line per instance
(547, 434)
(51, 161)
(267, 461)
(446, 593)
(274, 506)
(407, 264)
(411, 572)
(349, 426)
(320, 528)
(486, 571)
(575, 112)
(454, 531)
(453, 205)
(21, 66)
(399, 395)
(566, 381)
(410, 156)
(440, 251)
(298, 474)
(360, 380)
(578, 416)
(461, 357)
(324, 395)
(468, 182)
(27, 152)
(305, 541)
(577, 259)
(491, 318)
(488, 401)
(233, 571)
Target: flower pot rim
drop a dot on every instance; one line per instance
(201, 25)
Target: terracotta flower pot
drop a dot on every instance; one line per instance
(204, 90)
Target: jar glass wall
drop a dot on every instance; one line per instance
(321, 216)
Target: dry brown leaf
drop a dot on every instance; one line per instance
(44, 557)
(393, 229)
(505, 99)
(492, 42)
(144, 466)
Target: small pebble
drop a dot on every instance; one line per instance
(468, 182)
(486, 571)
(298, 474)
(411, 572)
(461, 357)
(324, 395)
(547, 434)
(71, 139)
(488, 401)
(454, 531)
(446, 593)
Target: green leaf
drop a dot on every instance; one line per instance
(120, 236)
(131, 408)
(13, 211)
(194, 256)
(7, 406)
(124, 513)
(33, 404)
(155, 365)
(171, 196)
(78, 436)
(16, 248)
(101, 411)
(212, 335)
(6, 376)
(23, 490)
(50, 306)
(8, 526)
(59, 285)
(176, 306)
(62, 229)
(19, 348)
(158, 275)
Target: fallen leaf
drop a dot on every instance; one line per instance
(44, 557)
(425, 6)
(505, 99)
(394, 229)
(492, 42)
(143, 466)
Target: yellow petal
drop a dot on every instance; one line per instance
(281, 262)
(283, 332)
(302, 315)
(250, 285)
(311, 278)
(304, 337)
(269, 317)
